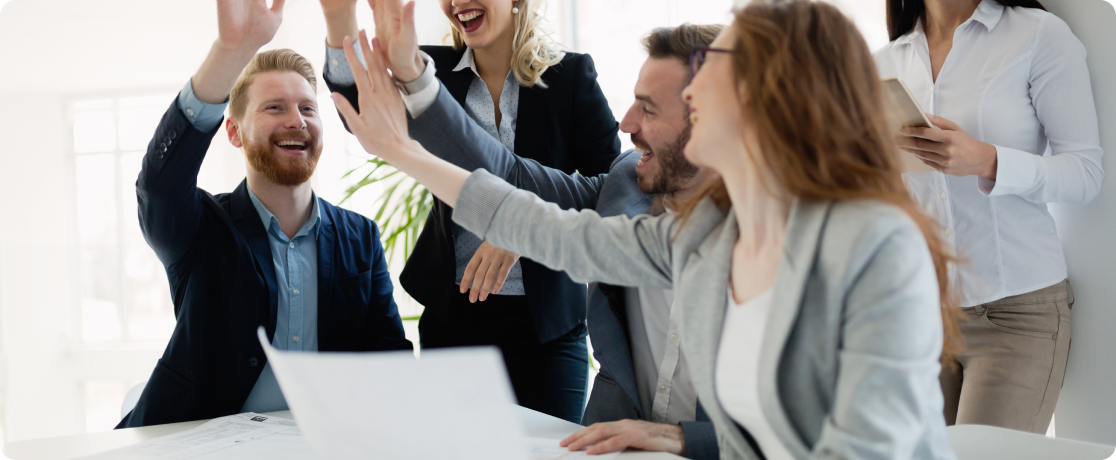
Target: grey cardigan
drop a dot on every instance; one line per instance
(849, 363)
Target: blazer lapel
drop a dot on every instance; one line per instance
(248, 223)
(326, 313)
(799, 252)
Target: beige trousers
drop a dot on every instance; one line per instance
(1011, 370)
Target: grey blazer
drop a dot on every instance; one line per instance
(449, 133)
(849, 363)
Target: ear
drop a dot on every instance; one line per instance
(234, 133)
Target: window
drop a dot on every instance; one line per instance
(123, 291)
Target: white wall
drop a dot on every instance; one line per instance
(1087, 406)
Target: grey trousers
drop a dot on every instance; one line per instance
(1011, 370)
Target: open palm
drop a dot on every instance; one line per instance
(248, 23)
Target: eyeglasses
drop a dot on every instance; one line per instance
(698, 56)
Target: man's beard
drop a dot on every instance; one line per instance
(674, 170)
(293, 171)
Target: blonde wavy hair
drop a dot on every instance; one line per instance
(533, 50)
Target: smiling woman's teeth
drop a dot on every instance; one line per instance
(469, 16)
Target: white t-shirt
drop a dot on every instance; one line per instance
(738, 358)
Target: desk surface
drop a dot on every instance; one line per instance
(536, 424)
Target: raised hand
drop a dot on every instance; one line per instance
(381, 124)
(247, 24)
(487, 271)
(243, 27)
(395, 29)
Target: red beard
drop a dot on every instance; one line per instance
(289, 171)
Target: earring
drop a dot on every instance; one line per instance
(515, 10)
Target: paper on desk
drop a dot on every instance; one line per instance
(210, 440)
(451, 404)
(548, 449)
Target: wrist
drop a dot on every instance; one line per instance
(340, 23)
(993, 164)
(411, 73)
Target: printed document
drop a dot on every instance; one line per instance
(247, 435)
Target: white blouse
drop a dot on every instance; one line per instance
(1015, 78)
(735, 379)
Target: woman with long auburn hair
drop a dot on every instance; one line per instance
(815, 306)
(1008, 89)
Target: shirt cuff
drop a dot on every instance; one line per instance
(202, 116)
(337, 68)
(1016, 173)
(423, 91)
(479, 199)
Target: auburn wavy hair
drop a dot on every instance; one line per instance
(810, 90)
(533, 48)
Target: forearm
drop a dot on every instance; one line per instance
(340, 23)
(218, 73)
(442, 178)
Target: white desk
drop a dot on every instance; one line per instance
(536, 424)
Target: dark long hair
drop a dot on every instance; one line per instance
(902, 15)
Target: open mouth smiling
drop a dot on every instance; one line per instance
(470, 20)
(297, 145)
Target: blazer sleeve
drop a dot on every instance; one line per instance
(383, 328)
(700, 437)
(887, 377)
(594, 128)
(616, 250)
(170, 203)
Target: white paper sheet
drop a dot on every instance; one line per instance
(451, 404)
(246, 435)
(548, 449)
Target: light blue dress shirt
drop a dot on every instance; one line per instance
(478, 104)
(295, 261)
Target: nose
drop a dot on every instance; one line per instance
(294, 120)
(629, 124)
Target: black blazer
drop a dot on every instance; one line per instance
(222, 279)
(566, 126)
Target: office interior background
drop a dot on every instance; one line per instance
(85, 310)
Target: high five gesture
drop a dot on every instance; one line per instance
(243, 27)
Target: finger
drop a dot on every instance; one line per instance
(277, 5)
(366, 48)
(360, 74)
(943, 123)
(474, 291)
(915, 143)
(347, 111)
(409, 17)
(489, 279)
(381, 77)
(603, 431)
(577, 435)
(615, 443)
(470, 270)
(502, 276)
(924, 133)
(928, 156)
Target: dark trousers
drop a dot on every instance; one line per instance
(551, 377)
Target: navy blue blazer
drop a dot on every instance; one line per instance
(218, 261)
(567, 126)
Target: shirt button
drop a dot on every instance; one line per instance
(296, 338)
(296, 292)
(662, 388)
(674, 337)
(292, 244)
(948, 232)
(943, 195)
(334, 62)
(189, 112)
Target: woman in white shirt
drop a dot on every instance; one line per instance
(1006, 82)
(808, 233)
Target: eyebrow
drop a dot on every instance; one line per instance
(279, 99)
(646, 100)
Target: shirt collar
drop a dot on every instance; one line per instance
(988, 12)
(467, 62)
(271, 223)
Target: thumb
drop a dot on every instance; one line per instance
(943, 123)
(347, 111)
(409, 16)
